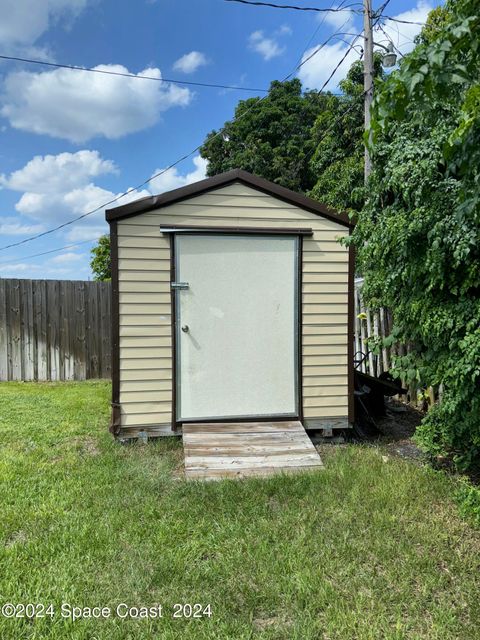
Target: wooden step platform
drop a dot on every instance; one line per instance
(236, 450)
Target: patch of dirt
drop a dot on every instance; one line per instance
(268, 622)
(400, 422)
(18, 537)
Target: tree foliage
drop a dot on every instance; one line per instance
(100, 262)
(337, 134)
(418, 236)
(269, 137)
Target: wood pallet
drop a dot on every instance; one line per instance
(236, 450)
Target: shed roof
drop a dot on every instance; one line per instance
(223, 179)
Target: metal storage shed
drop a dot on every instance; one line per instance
(232, 302)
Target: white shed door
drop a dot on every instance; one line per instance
(236, 326)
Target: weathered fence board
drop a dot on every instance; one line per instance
(54, 330)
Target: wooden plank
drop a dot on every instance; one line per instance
(221, 474)
(53, 329)
(80, 333)
(238, 462)
(106, 326)
(28, 341)
(214, 451)
(3, 332)
(242, 427)
(15, 331)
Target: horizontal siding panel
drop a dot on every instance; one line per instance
(322, 257)
(145, 351)
(325, 267)
(140, 408)
(320, 379)
(151, 364)
(337, 339)
(311, 413)
(140, 264)
(137, 331)
(145, 297)
(328, 391)
(159, 276)
(160, 243)
(309, 288)
(327, 401)
(338, 278)
(325, 309)
(140, 253)
(309, 360)
(136, 320)
(142, 286)
(336, 320)
(240, 216)
(322, 244)
(322, 229)
(130, 398)
(151, 374)
(146, 419)
(165, 342)
(324, 349)
(317, 328)
(127, 386)
(325, 297)
(129, 308)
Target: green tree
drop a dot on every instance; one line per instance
(418, 236)
(100, 262)
(270, 137)
(337, 135)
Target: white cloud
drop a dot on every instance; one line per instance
(402, 35)
(315, 72)
(67, 257)
(49, 174)
(59, 188)
(10, 226)
(77, 105)
(284, 30)
(268, 48)
(342, 20)
(190, 62)
(24, 21)
(171, 179)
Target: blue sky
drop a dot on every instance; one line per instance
(72, 140)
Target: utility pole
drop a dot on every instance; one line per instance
(367, 73)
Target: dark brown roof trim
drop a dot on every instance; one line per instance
(222, 180)
(269, 231)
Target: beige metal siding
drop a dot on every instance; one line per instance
(144, 292)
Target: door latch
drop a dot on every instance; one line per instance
(179, 285)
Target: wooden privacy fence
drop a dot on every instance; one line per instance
(54, 330)
(378, 324)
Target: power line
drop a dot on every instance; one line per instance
(71, 246)
(297, 8)
(420, 24)
(174, 164)
(44, 253)
(72, 67)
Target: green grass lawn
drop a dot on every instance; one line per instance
(367, 548)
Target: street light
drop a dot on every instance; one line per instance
(389, 59)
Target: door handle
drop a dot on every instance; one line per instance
(185, 328)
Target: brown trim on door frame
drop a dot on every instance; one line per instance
(194, 229)
(115, 423)
(300, 328)
(270, 418)
(222, 180)
(173, 324)
(350, 332)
